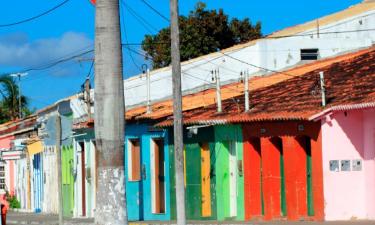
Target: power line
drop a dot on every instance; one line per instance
(156, 11)
(126, 37)
(259, 67)
(139, 18)
(328, 32)
(58, 62)
(35, 17)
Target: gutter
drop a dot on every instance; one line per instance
(339, 108)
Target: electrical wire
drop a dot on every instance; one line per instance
(320, 33)
(156, 11)
(140, 19)
(259, 67)
(126, 38)
(35, 17)
(57, 62)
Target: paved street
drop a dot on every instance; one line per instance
(31, 218)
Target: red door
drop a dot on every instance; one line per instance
(252, 177)
(271, 177)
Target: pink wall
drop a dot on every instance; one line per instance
(9, 166)
(369, 163)
(349, 194)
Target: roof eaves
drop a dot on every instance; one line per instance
(346, 107)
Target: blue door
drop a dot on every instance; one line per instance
(38, 182)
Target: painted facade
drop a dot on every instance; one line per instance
(200, 182)
(48, 158)
(348, 139)
(9, 167)
(147, 166)
(283, 171)
(85, 167)
(229, 172)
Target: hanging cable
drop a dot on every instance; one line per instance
(156, 11)
(140, 19)
(126, 37)
(35, 17)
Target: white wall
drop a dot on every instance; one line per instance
(50, 200)
(274, 54)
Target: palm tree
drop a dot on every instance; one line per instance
(9, 109)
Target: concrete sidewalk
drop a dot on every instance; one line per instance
(21, 218)
(45, 219)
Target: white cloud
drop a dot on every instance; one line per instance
(16, 50)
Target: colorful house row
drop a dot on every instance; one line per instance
(289, 156)
(29, 168)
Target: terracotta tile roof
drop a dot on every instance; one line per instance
(348, 82)
(13, 127)
(208, 97)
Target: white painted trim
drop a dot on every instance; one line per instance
(232, 178)
(152, 171)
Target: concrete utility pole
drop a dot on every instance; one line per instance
(218, 90)
(146, 70)
(247, 103)
(109, 115)
(19, 75)
(322, 88)
(59, 172)
(177, 114)
(87, 97)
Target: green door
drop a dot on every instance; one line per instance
(193, 181)
(67, 180)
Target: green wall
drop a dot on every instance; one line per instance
(193, 193)
(67, 162)
(223, 135)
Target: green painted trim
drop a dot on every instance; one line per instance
(283, 194)
(172, 176)
(310, 200)
(193, 182)
(261, 185)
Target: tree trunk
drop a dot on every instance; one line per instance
(109, 116)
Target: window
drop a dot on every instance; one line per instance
(309, 54)
(2, 178)
(134, 160)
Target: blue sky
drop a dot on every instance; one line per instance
(70, 30)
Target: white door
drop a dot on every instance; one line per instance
(232, 179)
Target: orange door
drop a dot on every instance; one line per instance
(159, 176)
(206, 180)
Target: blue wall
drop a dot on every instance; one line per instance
(138, 193)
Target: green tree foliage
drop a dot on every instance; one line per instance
(13, 201)
(202, 32)
(9, 100)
